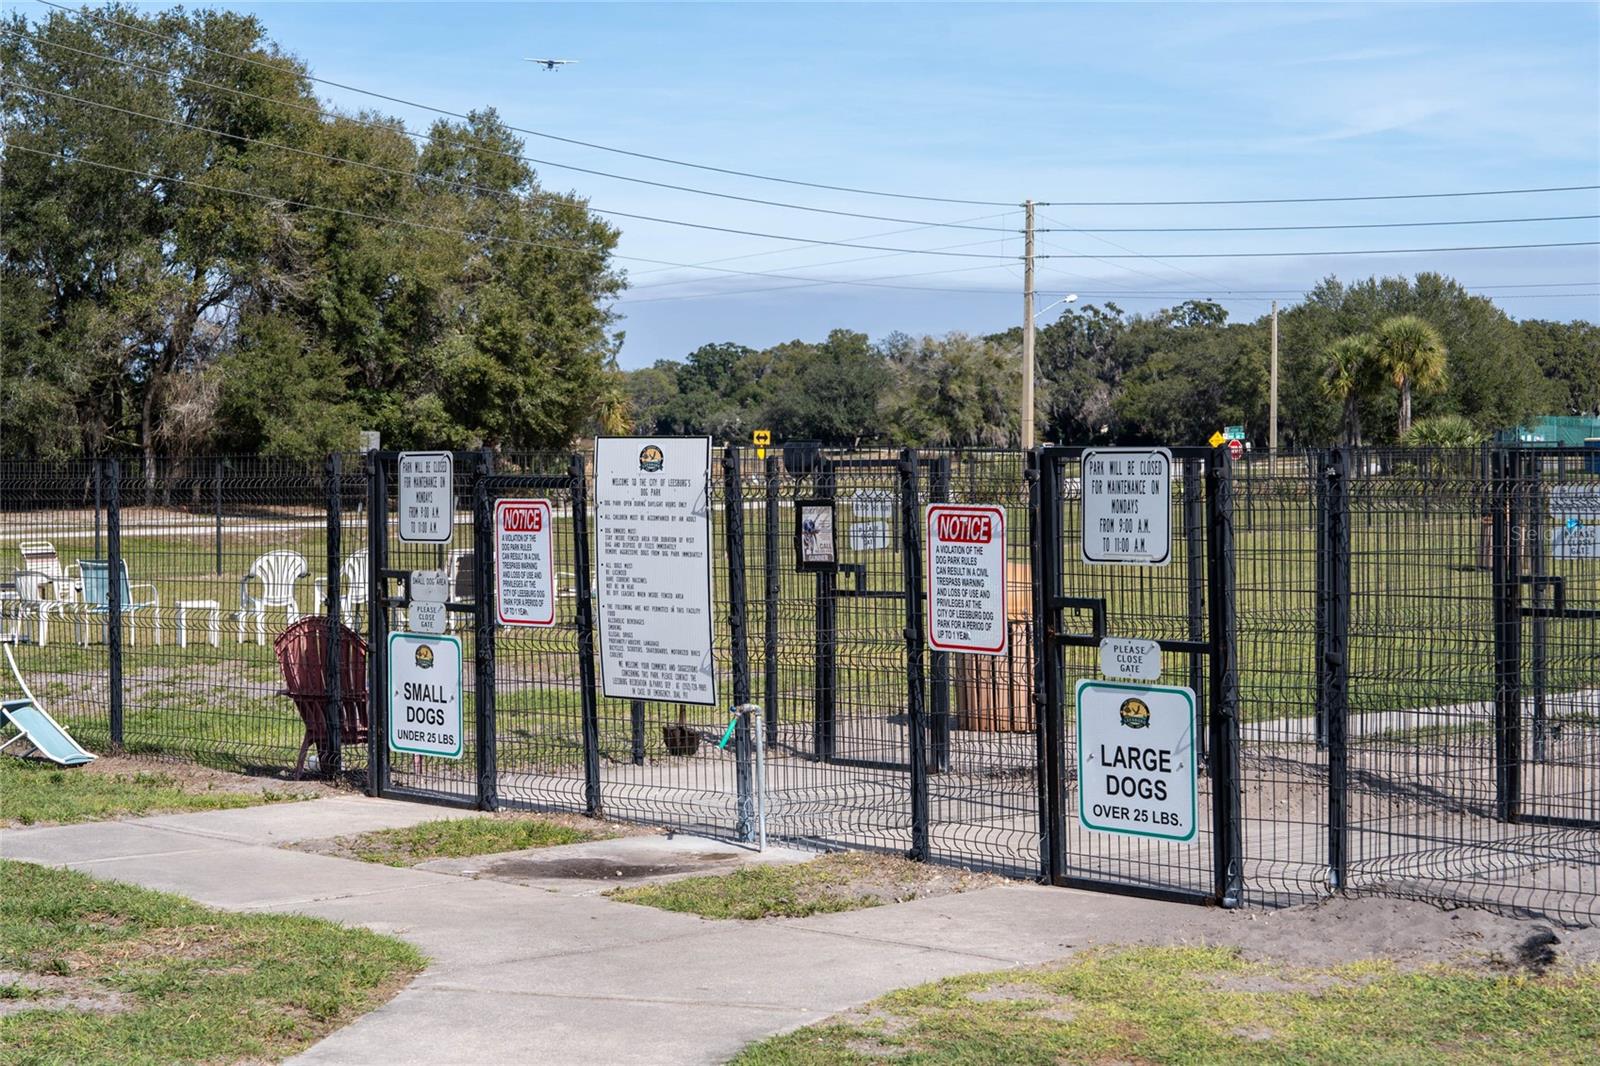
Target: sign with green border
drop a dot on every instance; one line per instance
(425, 694)
(1136, 760)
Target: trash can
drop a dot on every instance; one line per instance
(994, 693)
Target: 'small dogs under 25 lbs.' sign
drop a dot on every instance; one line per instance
(425, 694)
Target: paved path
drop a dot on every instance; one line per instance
(550, 971)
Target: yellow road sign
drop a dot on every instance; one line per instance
(1217, 438)
(761, 438)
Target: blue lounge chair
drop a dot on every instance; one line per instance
(96, 604)
(34, 724)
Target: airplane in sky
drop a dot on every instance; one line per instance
(551, 64)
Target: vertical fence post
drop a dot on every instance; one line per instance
(739, 643)
(331, 761)
(1505, 568)
(826, 696)
(484, 616)
(1043, 576)
(1333, 665)
(216, 494)
(769, 635)
(1226, 830)
(916, 721)
(585, 624)
(939, 719)
(377, 623)
(99, 477)
(1194, 541)
(113, 473)
(1534, 510)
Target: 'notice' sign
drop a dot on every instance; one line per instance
(524, 563)
(1127, 506)
(967, 579)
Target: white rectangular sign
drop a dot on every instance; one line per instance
(425, 695)
(1127, 506)
(427, 497)
(869, 536)
(426, 617)
(1126, 657)
(1576, 509)
(872, 503)
(1580, 501)
(430, 586)
(966, 564)
(524, 563)
(653, 568)
(1136, 768)
(1575, 540)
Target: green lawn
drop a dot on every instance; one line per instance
(1207, 1005)
(34, 792)
(455, 838)
(110, 973)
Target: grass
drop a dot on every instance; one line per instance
(844, 881)
(158, 979)
(33, 792)
(1196, 1005)
(456, 838)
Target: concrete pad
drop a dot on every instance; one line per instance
(597, 866)
(468, 926)
(316, 819)
(426, 1027)
(61, 845)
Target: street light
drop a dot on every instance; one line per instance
(1028, 360)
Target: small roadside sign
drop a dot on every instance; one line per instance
(1236, 448)
(425, 695)
(1126, 506)
(1126, 657)
(426, 617)
(430, 586)
(1233, 433)
(1216, 439)
(1136, 767)
(761, 438)
(524, 563)
(427, 497)
(966, 565)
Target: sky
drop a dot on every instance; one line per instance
(1063, 104)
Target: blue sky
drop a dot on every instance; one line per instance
(1001, 103)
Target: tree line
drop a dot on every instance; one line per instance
(198, 255)
(1419, 360)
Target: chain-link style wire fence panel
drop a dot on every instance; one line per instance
(53, 516)
(1280, 542)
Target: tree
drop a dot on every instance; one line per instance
(957, 390)
(1351, 376)
(1568, 353)
(1444, 431)
(828, 392)
(1411, 353)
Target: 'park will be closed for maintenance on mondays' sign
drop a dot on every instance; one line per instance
(524, 563)
(1136, 767)
(425, 694)
(967, 578)
(1127, 506)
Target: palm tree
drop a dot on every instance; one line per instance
(1351, 375)
(1412, 354)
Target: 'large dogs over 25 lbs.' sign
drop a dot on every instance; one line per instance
(967, 579)
(1136, 769)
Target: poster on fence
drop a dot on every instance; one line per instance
(1136, 766)
(426, 509)
(653, 568)
(966, 564)
(1126, 506)
(1576, 510)
(524, 563)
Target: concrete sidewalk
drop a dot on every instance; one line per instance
(536, 971)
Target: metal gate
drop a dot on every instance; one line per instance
(1187, 607)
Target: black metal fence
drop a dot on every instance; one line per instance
(1396, 657)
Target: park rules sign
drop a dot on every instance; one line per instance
(425, 694)
(967, 579)
(1127, 506)
(1136, 767)
(427, 502)
(524, 563)
(653, 568)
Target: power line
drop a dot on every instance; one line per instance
(1316, 199)
(1352, 225)
(424, 138)
(1324, 254)
(551, 136)
(412, 174)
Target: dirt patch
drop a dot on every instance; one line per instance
(601, 868)
(191, 777)
(890, 879)
(361, 847)
(37, 991)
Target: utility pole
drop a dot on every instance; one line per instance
(1027, 329)
(1272, 426)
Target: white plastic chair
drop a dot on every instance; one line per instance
(40, 557)
(278, 572)
(37, 599)
(352, 585)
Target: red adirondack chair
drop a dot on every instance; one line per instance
(302, 651)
